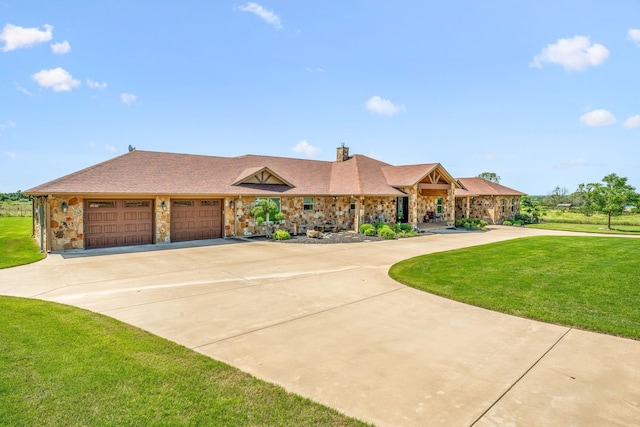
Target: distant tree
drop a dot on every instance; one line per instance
(583, 197)
(557, 196)
(490, 176)
(612, 196)
(531, 205)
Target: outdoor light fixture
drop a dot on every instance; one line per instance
(231, 204)
(65, 207)
(163, 205)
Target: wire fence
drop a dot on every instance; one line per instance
(15, 209)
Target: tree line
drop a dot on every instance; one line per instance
(14, 197)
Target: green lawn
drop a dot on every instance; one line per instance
(588, 228)
(17, 247)
(587, 282)
(64, 366)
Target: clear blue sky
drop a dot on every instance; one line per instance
(543, 93)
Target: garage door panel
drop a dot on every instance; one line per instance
(196, 220)
(118, 223)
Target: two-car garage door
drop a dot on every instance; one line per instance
(130, 222)
(118, 223)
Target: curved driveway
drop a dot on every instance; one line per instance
(326, 322)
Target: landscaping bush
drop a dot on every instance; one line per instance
(406, 227)
(526, 219)
(370, 231)
(381, 224)
(410, 233)
(507, 222)
(387, 233)
(281, 235)
(471, 223)
(364, 227)
(518, 223)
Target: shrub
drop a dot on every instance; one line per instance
(381, 224)
(279, 216)
(364, 227)
(406, 227)
(369, 231)
(387, 233)
(471, 223)
(281, 235)
(526, 219)
(507, 222)
(518, 223)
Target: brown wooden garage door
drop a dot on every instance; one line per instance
(118, 223)
(196, 220)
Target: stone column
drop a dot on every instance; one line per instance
(163, 219)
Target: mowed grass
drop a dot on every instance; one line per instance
(585, 282)
(64, 366)
(17, 247)
(588, 228)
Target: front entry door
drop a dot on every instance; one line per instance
(402, 210)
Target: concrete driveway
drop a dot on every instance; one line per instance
(326, 322)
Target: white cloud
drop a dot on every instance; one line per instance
(8, 124)
(61, 48)
(632, 122)
(576, 53)
(580, 162)
(263, 13)
(598, 118)
(96, 85)
(15, 37)
(634, 35)
(10, 154)
(383, 106)
(305, 148)
(110, 148)
(492, 156)
(23, 90)
(128, 98)
(57, 79)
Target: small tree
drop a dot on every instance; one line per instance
(557, 196)
(490, 176)
(612, 196)
(262, 211)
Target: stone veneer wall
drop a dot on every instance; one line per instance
(239, 222)
(162, 219)
(488, 208)
(67, 229)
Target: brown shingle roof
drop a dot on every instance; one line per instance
(482, 187)
(155, 173)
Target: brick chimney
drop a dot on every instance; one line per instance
(342, 153)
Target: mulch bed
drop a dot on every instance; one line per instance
(340, 237)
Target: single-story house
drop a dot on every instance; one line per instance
(146, 197)
(479, 198)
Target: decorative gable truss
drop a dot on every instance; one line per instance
(261, 175)
(436, 183)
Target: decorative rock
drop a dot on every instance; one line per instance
(314, 234)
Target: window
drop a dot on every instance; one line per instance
(504, 205)
(183, 203)
(307, 204)
(439, 210)
(209, 202)
(353, 204)
(136, 204)
(102, 204)
(513, 204)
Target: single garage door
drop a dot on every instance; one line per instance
(118, 223)
(196, 220)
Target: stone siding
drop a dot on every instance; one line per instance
(488, 208)
(67, 229)
(163, 219)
